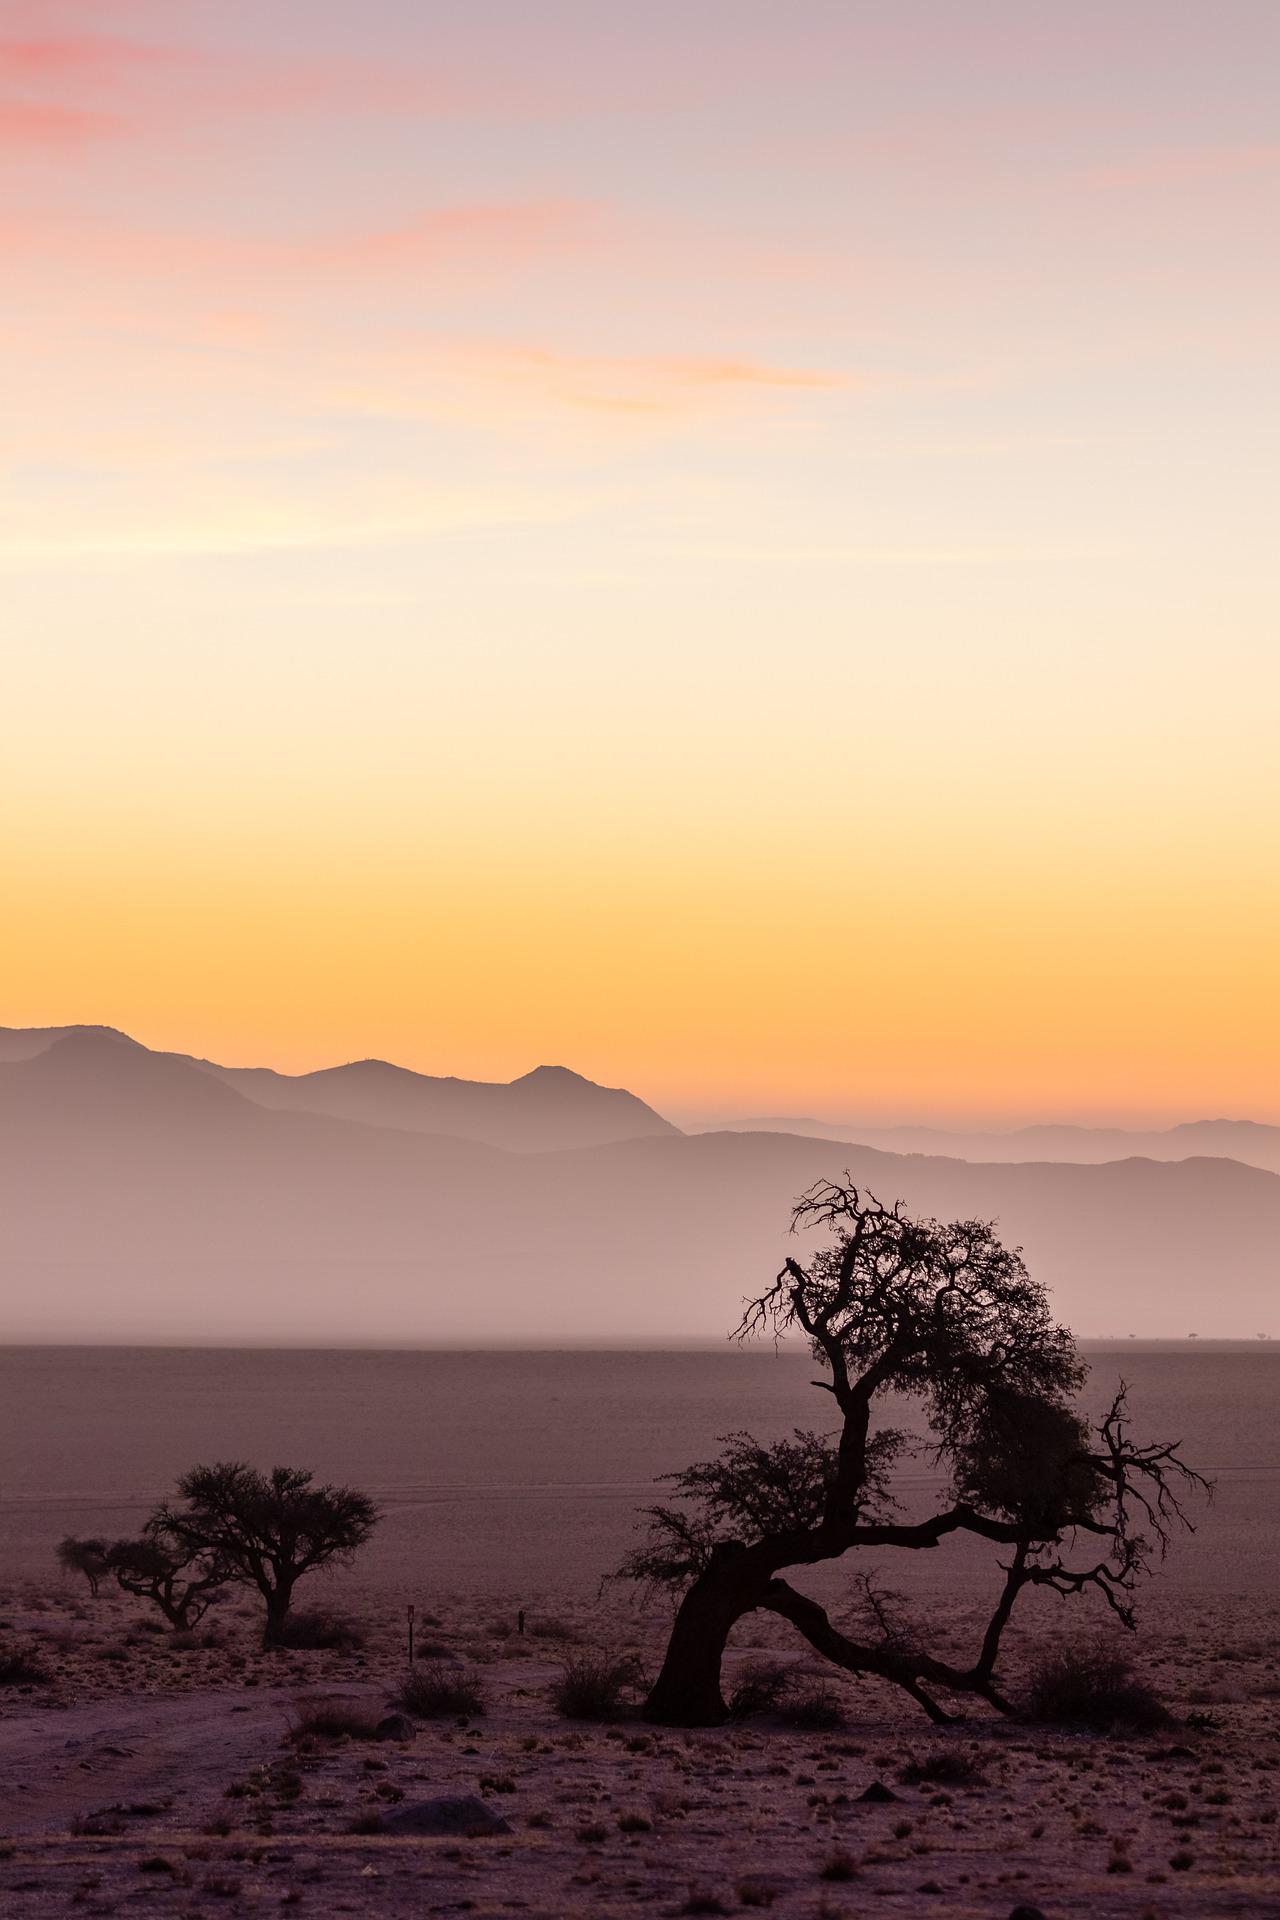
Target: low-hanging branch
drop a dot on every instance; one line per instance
(947, 1315)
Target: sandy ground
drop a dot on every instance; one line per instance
(173, 1781)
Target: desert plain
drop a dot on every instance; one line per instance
(203, 1776)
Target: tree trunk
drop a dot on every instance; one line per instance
(687, 1691)
(277, 1612)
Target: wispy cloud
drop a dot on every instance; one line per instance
(511, 384)
(44, 129)
(1184, 166)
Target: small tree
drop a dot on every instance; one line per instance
(266, 1530)
(87, 1557)
(950, 1317)
(181, 1580)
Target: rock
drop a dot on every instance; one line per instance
(466, 1818)
(1026, 1913)
(878, 1792)
(396, 1726)
(1175, 1753)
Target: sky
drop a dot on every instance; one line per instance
(727, 545)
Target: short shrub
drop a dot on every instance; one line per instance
(1089, 1684)
(813, 1708)
(550, 1630)
(434, 1691)
(19, 1667)
(593, 1686)
(334, 1720)
(761, 1687)
(313, 1629)
(943, 1769)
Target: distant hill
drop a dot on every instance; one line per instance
(1249, 1141)
(144, 1197)
(547, 1109)
(23, 1043)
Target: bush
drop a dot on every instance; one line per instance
(334, 1720)
(19, 1667)
(813, 1708)
(943, 1769)
(761, 1688)
(433, 1691)
(1091, 1685)
(312, 1629)
(550, 1630)
(593, 1686)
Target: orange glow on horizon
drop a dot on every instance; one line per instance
(738, 566)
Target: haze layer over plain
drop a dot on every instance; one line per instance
(507, 1472)
(152, 1197)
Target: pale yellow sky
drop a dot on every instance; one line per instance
(742, 563)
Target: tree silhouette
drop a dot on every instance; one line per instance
(87, 1557)
(266, 1530)
(181, 1580)
(947, 1315)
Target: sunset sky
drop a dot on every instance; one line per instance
(730, 546)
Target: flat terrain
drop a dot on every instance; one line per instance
(149, 1778)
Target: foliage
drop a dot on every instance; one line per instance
(333, 1720)
(316, 1629)
(757, 1489)
(181, 1580)
(1091, 1684)
(86, 1557)
(19, 1667)
(594, 1685)
(267, 1530)
(435, 1690)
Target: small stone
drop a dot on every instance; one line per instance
(465, 1818)
(878, 1793)
(395, 1726)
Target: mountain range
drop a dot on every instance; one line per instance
(1250, 1141)
(150, 1196)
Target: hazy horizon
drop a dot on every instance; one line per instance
(700, 1114)
(155, 1196)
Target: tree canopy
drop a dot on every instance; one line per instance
(267, 1530)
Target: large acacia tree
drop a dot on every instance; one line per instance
(950, 1317)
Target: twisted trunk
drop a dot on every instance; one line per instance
(687, 1691)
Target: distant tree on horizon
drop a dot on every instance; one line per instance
(949, 1316)
(266, 1530)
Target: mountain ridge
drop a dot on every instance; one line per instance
(547, 1108)
(141, 1196)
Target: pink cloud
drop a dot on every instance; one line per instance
(41, 128)
(106, 83)
(91, 57)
